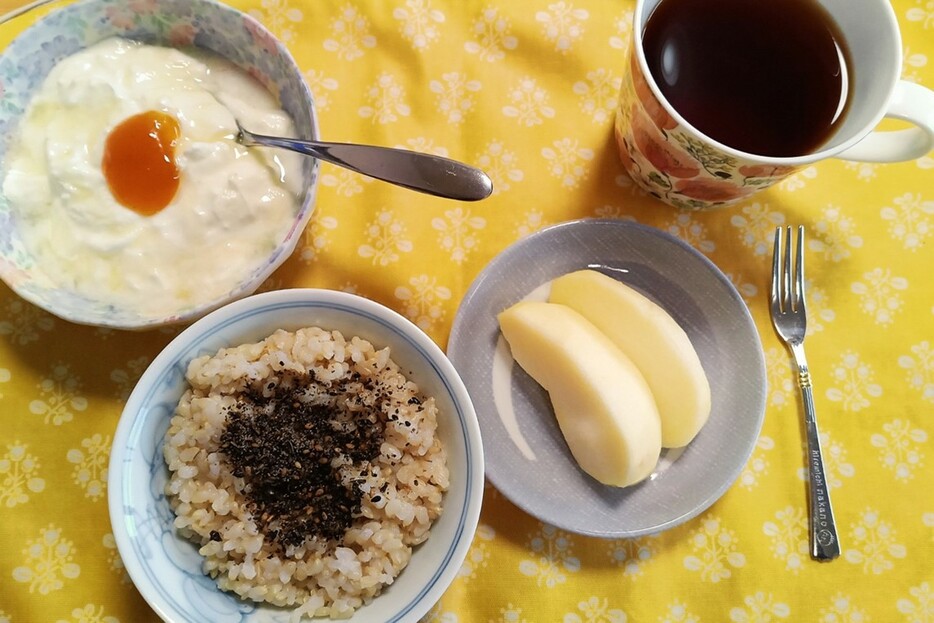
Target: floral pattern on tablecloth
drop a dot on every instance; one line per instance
(528, 91)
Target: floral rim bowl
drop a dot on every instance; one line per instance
(166, 567)
(205, 24)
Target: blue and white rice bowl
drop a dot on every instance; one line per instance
(167, 568)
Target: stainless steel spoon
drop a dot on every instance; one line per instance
(425, 173)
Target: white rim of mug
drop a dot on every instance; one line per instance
(637, 27)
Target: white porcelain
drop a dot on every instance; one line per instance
(166, 568)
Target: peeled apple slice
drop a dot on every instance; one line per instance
(652, 339)
(603, 405)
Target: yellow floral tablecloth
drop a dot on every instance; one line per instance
(527, 91)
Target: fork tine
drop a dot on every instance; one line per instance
(786, 276)
(799, 270)
(777, 270)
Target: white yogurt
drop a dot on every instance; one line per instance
(232, 207)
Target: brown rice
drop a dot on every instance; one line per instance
(401, 488)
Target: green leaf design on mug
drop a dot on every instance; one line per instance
(709, 157)
(659, 180)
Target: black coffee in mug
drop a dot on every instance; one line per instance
(767, 77)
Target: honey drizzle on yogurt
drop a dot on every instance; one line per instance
(139, 161)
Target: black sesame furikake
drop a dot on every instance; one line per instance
(285, 447)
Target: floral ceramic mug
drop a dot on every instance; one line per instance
(680, 165)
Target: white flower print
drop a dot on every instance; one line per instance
(911, 63)
(789, 537)
(622, 31)
(322, 87)
(920, 369)
(424, 301)
(386, 99)
(715, 551)
(501, 165)
(419, 23)
(819, 310)
(757, 227)
(760, 608)
(692, 231)
(598, 95)
(865, 171)
(533, 221)
(778, 369)
(873, 544)
(633, 554)
(279, 17)
(835, 465)
(834, 235)
(90, 463)
(922, 13)
(854, 383)
(113, 558)
(59, 399)
(350, 34)
(438, 615)
(758, 464)
(900, 448)
(842, 611)
(89, 614)
(528, 103)
(678, 613)
(491, 36)
(617, 212)
(552, 549)
(345, 183)
(879, 294)
(386, 238)
(798, 180)
(5, 376)
(24, 321)
(453, 91)
(562, 24)
(125, 378)
(595, 610)
(47, 562)
(566, 161)
(919, 607)
(19, 475)
(479, 553)
(510, 614)
(748, 290)
(457, 232)
(908, 221)
(317, 238)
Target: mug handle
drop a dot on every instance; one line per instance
(910, 102)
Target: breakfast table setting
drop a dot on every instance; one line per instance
(588, 168)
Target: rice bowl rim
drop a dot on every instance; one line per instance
(254, 313)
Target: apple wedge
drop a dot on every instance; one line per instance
(652, 339)
(603, 405)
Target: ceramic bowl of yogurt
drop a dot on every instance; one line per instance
(126, 200)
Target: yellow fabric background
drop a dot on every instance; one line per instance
(527, 90)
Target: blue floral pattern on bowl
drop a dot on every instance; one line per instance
(206, 24)
(167, 568)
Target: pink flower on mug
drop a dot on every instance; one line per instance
(711, 190)
(119, 17)
(652, 106)
(182, 35)
(765, 170)
(265, 41)
(663, 155)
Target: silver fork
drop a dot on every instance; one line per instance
(790, 322)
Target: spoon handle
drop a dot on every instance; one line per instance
(426, 173)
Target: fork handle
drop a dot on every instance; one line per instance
(823, 529)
